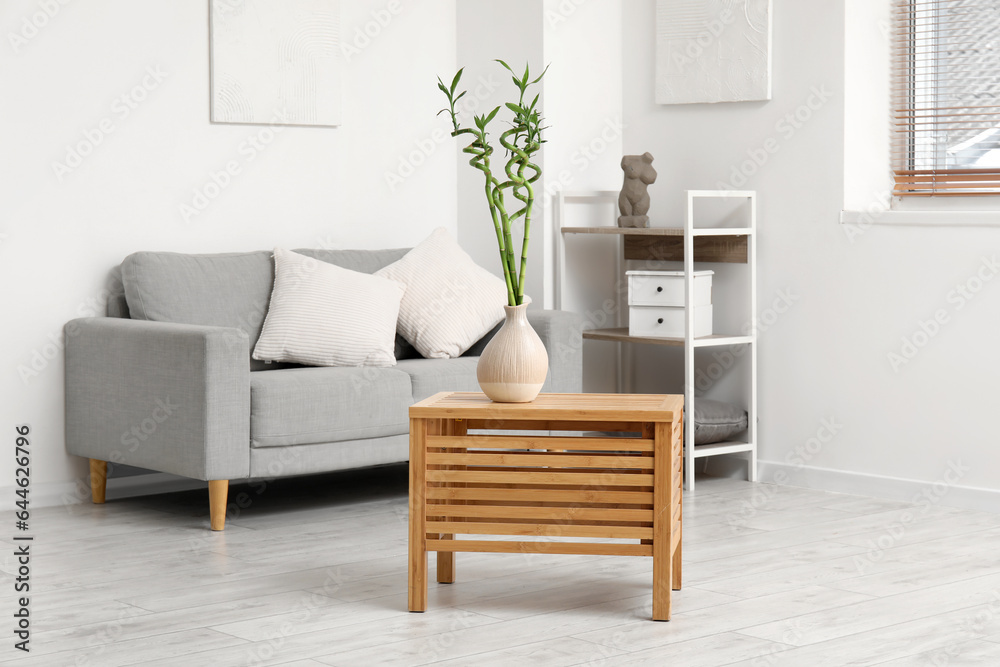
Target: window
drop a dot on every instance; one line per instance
(946, 97)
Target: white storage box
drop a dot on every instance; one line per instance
(667, 322)
(666, 288)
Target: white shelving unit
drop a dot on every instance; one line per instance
(691, 232)
(731, 245)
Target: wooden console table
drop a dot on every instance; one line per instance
(626, 489)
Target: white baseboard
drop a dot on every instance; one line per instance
(878, 486)
(53, 494)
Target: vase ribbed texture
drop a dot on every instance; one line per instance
(513, 366)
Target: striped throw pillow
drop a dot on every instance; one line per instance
(450, 301)
(325, 315)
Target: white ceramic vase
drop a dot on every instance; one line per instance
(513, 366)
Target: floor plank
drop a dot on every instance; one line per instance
(936, 638)
(965, 654)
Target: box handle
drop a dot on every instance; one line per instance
(659, 289)
(659, 321)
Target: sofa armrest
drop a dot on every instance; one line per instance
(168, 397)
(562, 334)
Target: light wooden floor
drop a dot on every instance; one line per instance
(313, 572)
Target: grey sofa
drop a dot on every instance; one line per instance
(166, 381)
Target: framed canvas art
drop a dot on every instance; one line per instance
(713, 51)
(276, 62)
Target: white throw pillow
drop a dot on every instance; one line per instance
(450, 301)
(326, 315)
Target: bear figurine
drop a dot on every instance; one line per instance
(633, 202)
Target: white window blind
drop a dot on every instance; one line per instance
(946, 97)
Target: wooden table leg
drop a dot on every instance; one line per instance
(417, 591)
(446, 559)
(676, 584)
(663, 479)
(648, 433)
(677, 446)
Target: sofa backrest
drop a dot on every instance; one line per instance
(227, 290)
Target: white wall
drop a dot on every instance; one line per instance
(583, 109)
(868, 183)
(512, 32)
(900, 429)
(582, 149)
(307, 187)
(583, 45)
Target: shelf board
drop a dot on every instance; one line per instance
(631, 231)
(722, 193)
(620, 335)
(722, 339)
(722, 244)
(659, 231)
(717, 448)
(723, 231)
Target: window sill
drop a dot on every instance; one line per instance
(922, 218)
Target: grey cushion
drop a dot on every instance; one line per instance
(365, 261)
(228, 290)
(715, 421)
(298, 406)
(117, 306)
(429, 376)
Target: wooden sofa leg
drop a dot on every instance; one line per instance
(98, 480)
(218, 494)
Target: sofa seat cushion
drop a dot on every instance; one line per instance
(429, 376)
(300, 406)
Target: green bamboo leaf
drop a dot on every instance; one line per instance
(524, 79)
(517, 82)
(454, 82)
(543, 73)
(492, 115)
(443, 89)
(534, 102)
(461, 95)
(513, 107)
(505, 65)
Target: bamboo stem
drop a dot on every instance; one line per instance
(524, 243)
(521, 140)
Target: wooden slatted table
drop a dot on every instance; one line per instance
(620, 495)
